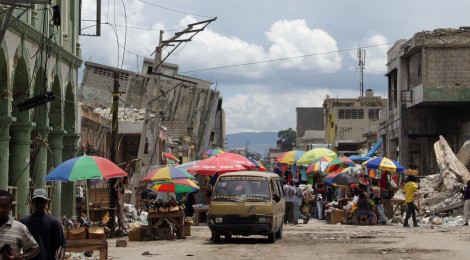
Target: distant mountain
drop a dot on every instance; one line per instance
(257, 142)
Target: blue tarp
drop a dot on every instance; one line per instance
(374, 149)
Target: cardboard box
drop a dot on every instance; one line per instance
(77, 233)
(96, 233)
(337, 216)
(136, 234)
(187, 228)
(165, 233)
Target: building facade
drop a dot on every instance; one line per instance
(429, 95)
(37, 57)
(348, 120)
(310, 127)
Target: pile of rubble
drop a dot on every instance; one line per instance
(124, 114)
(441, 192)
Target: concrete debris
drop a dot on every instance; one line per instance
(432, 200)
(124, 114)
(464, 154)
(452, 171)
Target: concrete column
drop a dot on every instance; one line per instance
(40, 163)
(19, 163)
(56, 145)
(5, 123)
(68, 188)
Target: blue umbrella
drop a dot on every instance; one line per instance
(359, 158)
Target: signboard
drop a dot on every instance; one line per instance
(406, 96)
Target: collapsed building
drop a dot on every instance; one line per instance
(191, 118)
(428, 96)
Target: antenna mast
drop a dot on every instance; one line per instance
(361, 55)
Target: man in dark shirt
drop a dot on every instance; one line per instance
(466, 205)
(46, 229)
(363, 207)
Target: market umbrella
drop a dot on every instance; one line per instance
(167, 173)
(215, 164)
(258, 165)
(319, 165)
(384, 164)
(170, 156)
(185, 166)
(359, 159)
(176, 186)
(341, 178)
(240, 159)
(212, 152)
(289, 157)
(85, 168)
(338, 163)
(309, 156)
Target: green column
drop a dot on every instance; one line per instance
(68, 188)
(56, 145)
(19, 163)
(40, 163)
(5, 123)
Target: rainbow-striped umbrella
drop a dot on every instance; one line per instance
(85, 168)
(260, 167)
(167, 173)
(314, 154)
(319, 164)
(212, 152)
(290, 157)
(176, 186)
(337, 163)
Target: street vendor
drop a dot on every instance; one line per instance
(363, 208)
(376, 201)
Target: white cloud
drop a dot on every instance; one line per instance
(256, 111)
(294, 38)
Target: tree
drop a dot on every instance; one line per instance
(286, 139)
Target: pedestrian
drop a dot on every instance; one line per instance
(298, 199)
(79, 198)
(289, 193)
(46, 229)
(466, 205)
(409, 189)
(320, 199)
(14, 235)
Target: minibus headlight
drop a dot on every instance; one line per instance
(219, 220)
(263, 220)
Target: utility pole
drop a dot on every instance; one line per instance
(153, 86)
(114, 148)
(361, 54)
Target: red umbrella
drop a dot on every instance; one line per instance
(240, 159)
(170, 156)
(215, 164)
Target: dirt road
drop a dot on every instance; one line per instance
(315, 240)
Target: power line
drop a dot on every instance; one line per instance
(173, 10)
(282, 59)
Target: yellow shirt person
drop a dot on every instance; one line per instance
(409, 190)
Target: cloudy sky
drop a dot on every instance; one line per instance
(268, 57)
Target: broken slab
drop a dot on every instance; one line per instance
(449, 165)
(464, 154)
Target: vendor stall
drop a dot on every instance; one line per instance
(173, 219)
